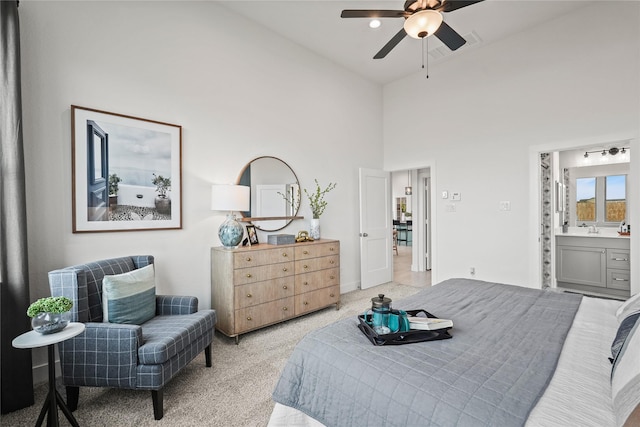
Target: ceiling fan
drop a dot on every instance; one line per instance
(422, 18)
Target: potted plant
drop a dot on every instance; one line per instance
(50, 314)
(318, 205)
(163, 203)
(114, 180)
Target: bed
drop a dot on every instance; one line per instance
(518, 357)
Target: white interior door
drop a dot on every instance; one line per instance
(376, 266)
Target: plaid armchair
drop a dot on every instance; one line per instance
(116, 355)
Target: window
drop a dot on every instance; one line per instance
(601, 200)
(586, 199)
(615, 198)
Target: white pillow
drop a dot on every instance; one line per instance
(629, 306)
(129, 297)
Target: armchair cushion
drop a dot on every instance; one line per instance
(166, 336)
(129, 297)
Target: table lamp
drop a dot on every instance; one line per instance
(230, 198)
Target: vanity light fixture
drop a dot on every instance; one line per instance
(408, 190)
(230, 198)
(612, 151)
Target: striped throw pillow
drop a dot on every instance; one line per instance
(129, 297)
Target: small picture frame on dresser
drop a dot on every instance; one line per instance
(253, 235)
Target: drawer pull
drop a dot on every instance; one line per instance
(285, 269)
(617, 279)
(332, 295)
(620, 259)
(248, 259)
(305, 303)
(249, 295)
(305, 252)
(332, 262)
(305, 266)
(284, 254)
(306, 283)
(249, 275)
(285, 287)
(332, 277)
(249, 318)
(331, 249)
(284, 308)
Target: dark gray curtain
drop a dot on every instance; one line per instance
(16, 383)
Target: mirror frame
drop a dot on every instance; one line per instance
(251, 219)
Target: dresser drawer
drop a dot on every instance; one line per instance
(314, 300)
(317, 250)
(308, 282)
(264, 314)
(261, 292)
(258, 274)
(315, 264)
(246, 259)
(618, 279)
(618, 258)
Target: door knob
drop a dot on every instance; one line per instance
(364, 235)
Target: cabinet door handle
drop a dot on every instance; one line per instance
(249, 275)
(249, 318)
(617, 279)
(249, 295)
(305, 252)
(285, 287)
(284, 308)
(619, 259)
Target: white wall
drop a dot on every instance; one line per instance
(557, 85)
(237, 90)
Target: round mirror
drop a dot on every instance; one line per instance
(275, 193)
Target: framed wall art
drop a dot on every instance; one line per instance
(126, 172)
(253, 235)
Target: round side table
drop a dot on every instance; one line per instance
(33, 339)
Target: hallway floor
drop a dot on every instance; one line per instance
(402, 269)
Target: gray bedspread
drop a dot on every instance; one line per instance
(505, 347)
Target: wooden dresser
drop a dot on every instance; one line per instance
(257, 286)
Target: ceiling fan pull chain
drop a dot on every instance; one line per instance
(423, 48)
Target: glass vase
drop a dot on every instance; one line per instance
(49, 323)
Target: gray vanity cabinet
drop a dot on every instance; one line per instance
(593, 264)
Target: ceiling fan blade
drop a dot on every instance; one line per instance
(391, 44)
(449, 36)
(448, 6)
(373, 14)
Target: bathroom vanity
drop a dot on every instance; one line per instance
(595, 263)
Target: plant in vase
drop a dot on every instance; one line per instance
(114, 180)
(50, 314)
(318, 205)
(163, 203)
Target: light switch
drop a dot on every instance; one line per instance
(505, 206)
(445, 194)
(456, 196)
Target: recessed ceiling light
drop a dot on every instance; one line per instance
(374, 23)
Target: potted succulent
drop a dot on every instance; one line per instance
(318, 205)
(114, 180)
(50, 314)
(163, 203)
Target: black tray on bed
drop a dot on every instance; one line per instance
(407, 337)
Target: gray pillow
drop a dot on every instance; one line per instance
(626, 326)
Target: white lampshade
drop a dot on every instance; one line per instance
(423, 23)
(230, 198)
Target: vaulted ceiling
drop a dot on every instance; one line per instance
(317, 26)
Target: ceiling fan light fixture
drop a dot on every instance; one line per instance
(423, 23)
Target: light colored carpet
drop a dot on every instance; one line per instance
(236, 391)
